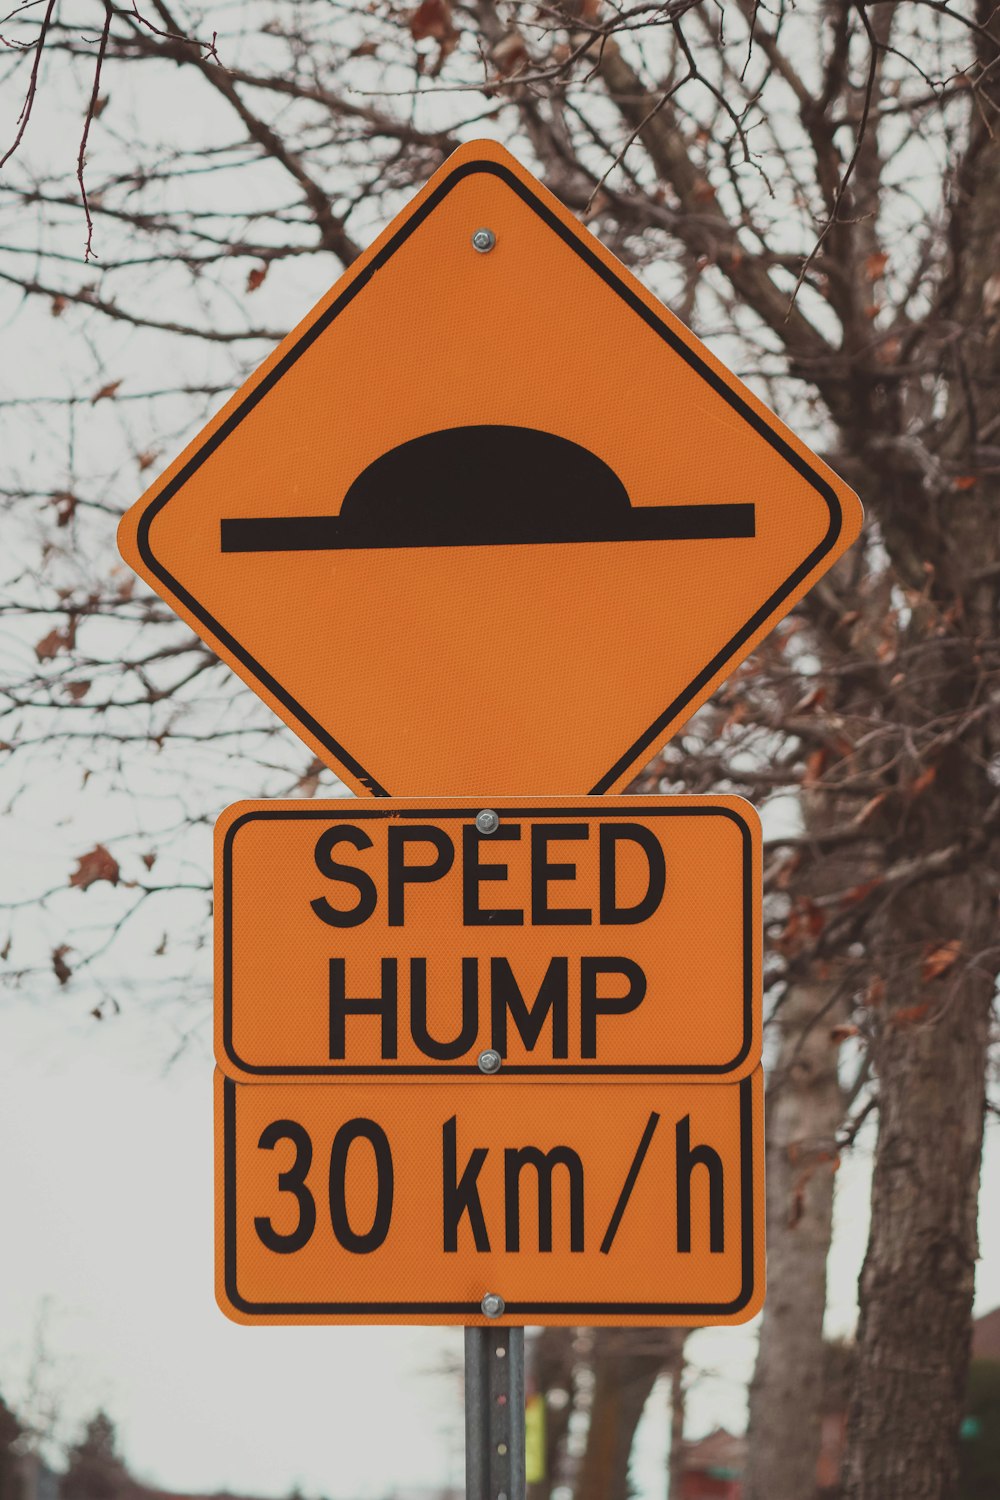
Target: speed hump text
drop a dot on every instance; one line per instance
(596, 936)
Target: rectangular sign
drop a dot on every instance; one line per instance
(607, 936)
(576, 1202)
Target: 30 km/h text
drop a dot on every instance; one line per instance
(576, 1200)
(461, 1205)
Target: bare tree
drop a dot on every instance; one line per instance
(816, 191)
(94, 1467)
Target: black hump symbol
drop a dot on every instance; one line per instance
(485, 486)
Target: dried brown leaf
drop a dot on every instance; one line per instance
(106, 392)
(870, 808)
(922, 782)
(839, 1034)
(859, 892)
(815, 766)
(814, 916)
(909, 1015)
(99, 864)
(875, 993)
(65, 502)
(57, 640)
(308, 782)
(60, 967)
(939, 959)
(433, 20)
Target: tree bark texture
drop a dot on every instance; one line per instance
(626, 1365)
(551, 1369)
(918, 1277)
(803, 1110)
(936, 940)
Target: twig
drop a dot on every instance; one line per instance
(29, 100)
(620, 156)
(91, 110)
(848, 1133)
(208, 48)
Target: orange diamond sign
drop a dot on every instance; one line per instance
(490, 516)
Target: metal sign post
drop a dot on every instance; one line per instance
(494, 1411)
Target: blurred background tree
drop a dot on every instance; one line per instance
(10, 1432)
(94, 1468)
(979, 1449)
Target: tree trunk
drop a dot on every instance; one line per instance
(937, 940)
(804, 1108)
(678, 1404)
(627, 1362)
(552, 1360)
(918, 1277)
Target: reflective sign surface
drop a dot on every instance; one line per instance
(603, 936)
(488, 519)
(581, 1202)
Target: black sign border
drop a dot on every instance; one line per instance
(355, 810)
(473, 1310)
(642, 743)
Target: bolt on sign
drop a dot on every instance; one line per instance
(586, 1202)
(490, 516)
(597, 937)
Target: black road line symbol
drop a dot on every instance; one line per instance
(633, 1173)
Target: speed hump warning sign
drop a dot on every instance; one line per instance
(579, 937)
(490, 516)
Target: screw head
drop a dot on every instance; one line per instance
(487, 821)
(492, 1305)
(483, 240)
(489, 1061)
